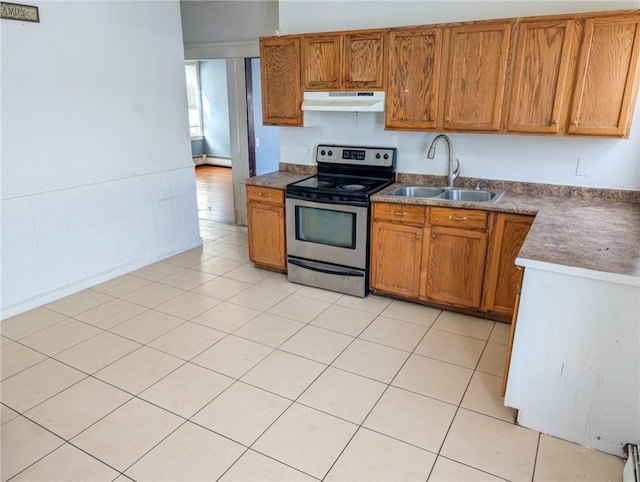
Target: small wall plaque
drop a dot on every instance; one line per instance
(16, 11)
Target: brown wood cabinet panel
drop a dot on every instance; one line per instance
(477, 71)
(266, 227)
(363, 61)
(503, 277)
(455, 266)
(607, 78)
(413, 77)
(281, 79)
(265, 194)
(458, 218)
(512, 334)
(396, 251)
(539, 96)
(401, 213)
(322, 62)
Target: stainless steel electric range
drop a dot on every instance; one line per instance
(327, 217)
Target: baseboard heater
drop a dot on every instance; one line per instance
(203, 159)
(631, 471)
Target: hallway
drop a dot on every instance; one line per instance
(215, 194)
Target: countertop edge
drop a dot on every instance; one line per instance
(578, 272)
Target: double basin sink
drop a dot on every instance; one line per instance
(448, 193)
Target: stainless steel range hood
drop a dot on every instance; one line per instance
(344, 101)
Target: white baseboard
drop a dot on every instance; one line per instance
(59, 293)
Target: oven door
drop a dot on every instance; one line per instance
(329, 233)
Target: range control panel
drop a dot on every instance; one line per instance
(361, 156)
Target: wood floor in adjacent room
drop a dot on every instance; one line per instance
(215, 194)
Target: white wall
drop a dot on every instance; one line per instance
(228, 21)
(615, 162)
(97, 177)
(215, 108)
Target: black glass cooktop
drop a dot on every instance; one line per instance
(340, 184)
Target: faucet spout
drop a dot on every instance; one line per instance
(452, 172)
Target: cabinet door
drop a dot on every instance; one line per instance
(267, 245)
(321, 54)
(395, 259)
(455, 266)
(477, 71)
(539, 96)
(281, 81)
(503, 276)
(413, 77)
(607, 79)
(363, 61)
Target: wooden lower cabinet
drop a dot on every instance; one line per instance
(463, 258)
(396, 259)
(512, 334)
(396, 249)
(502, 276)
(266, 225)
(455, 266)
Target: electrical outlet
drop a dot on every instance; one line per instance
(308, 152)
(584, 167)
(257, 142)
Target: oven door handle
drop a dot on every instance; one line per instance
(310, 266)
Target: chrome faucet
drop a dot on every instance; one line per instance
(452, 172)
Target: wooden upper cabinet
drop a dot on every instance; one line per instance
(363, 63)
(344, 61)
(322, 62)
(281, 80)
(476, 76)
(413, 77)
(607, 78)
(541, 79)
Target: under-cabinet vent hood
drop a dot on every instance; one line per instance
(344, 101)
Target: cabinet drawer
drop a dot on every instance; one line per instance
(458, 218)
(403, 213)
(265, 194)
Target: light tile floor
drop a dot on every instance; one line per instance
(202, 367)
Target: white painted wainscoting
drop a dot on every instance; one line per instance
(57, 242)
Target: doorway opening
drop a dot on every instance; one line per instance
(227, 87)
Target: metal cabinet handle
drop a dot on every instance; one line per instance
(575, 122)
(554, 122)
(264, 194)
(458, 218)
(433, 236)
(447, 119)
(398, 213)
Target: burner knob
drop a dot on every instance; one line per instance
(378, 155)
(322, 152)
(330, 153)
(386, 156)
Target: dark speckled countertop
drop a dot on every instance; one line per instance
(579, 232)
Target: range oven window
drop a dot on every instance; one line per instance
(325, 226)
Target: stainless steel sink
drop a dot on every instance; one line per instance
(416, 191)
(481, 196)
(449, 194)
